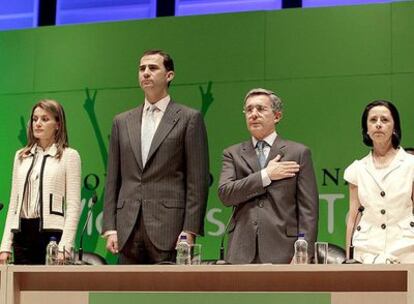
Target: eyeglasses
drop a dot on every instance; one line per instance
(249, 110)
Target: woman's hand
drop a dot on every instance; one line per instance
(65, 258)
(4, 257)
(60, 258)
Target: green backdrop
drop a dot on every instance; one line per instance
(325, 63)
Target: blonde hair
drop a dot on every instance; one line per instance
(61, 136)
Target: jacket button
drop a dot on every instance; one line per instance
(255, 223)
(412, 224)
(261, 204)
(358, 228)
(382, 211)
(382, 193)
(383, 226)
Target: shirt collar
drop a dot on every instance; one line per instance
(270, 139)
(160, 104)
(52, 150)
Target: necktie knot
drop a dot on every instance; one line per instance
(261, 144)
(151, 109)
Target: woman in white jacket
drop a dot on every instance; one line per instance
(45, 194)
(381, 191)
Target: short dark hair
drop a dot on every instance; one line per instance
(168, 61)
(396, 134)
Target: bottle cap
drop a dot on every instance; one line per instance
(301, 235)
(53, 239)
(183, 237)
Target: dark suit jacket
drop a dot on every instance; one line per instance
(274, 214)
(171, 190)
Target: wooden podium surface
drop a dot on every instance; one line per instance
(346, 283)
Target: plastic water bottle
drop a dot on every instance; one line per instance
(52, 251)
(183, 251)
(301, 250)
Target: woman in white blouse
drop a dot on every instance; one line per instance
(381, 191)
(45, 194)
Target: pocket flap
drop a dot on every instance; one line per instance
(173, 204)
(363, 227)
(292, 231)
(120, 204)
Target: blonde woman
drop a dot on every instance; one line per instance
(45, 194)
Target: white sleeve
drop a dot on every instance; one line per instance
(73, 199)
(350, 174)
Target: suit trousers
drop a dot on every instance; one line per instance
(257, 259)
(140, 250)
(29, 245)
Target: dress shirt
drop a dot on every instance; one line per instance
(30, 208)
(161, 106)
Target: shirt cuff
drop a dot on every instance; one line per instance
(188, 232)
(266, 181)
(108, 233)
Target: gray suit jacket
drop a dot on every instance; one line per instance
(171, 190)
(275, 214)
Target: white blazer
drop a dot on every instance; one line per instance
(59, 195)
(386, 230)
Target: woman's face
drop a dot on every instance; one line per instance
(380, 124)
(44, 125)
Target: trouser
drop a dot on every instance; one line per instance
(140, 250)
(29, 245)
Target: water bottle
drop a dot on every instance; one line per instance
(301, 250)
(52, 251)
(183, 251)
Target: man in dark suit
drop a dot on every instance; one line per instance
(157, 182)
(271, 185)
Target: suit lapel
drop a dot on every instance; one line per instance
(278, 147)
(168, 121)
(134, 120)
(248, 153)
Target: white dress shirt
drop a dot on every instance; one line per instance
(30, 208)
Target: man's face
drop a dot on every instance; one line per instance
(260, 118)
(152, 73)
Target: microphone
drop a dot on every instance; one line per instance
(351, 259)
(80, 251)
(221, 260)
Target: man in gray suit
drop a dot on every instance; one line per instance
(157, 182)
(271, 185)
